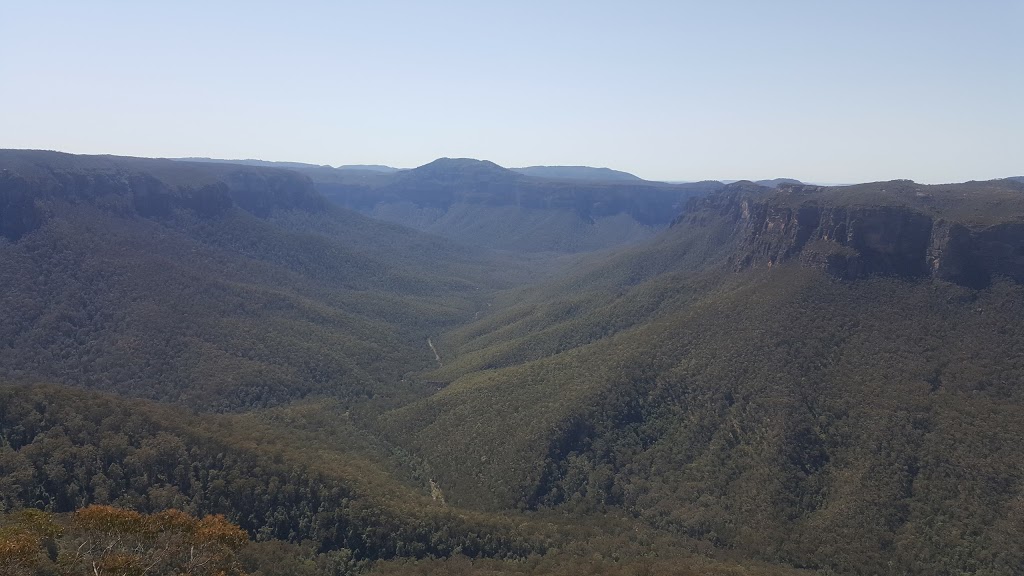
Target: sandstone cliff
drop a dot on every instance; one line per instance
(854, 237)
(32, 181)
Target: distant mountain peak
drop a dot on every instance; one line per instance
(577, 173)
(778, 182)
(461, 168)
(369, 168)
(446, 162)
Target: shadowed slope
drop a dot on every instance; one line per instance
(866, 423)
(217, 285)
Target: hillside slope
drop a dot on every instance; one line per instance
(64, 449)
(482, 204)
(808, 375)
(577, 173)
(216, 285)
(801, 378)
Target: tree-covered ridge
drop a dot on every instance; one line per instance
(774, 417)
(482, 204)
(109, 541)
(975, 203)
(274, 295)
(819, 378)
(969, 234)
(865, 426)
(98, 469)
(61, 451)
(576, 173)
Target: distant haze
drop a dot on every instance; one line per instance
(822, 92)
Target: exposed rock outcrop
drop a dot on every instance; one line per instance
(850, 242)
(30, 181)
(459, 181)
(19, 214)
(854, 241)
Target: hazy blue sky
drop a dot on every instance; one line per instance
(819, 90)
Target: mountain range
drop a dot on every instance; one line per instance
(567, 209)
(570, 375)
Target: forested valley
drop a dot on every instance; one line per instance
(220, 368)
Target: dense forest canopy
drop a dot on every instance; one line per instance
(705, 379)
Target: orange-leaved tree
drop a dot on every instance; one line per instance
(110, 541)
(27, 542)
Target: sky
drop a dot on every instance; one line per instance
(824, 91)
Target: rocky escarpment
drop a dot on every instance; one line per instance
(460, 181)
(19, 214)
(31, 181)
(854, 241)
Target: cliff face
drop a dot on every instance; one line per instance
(30, 181)
(857, 241)
(850, 242)
(1000, 250)
(19, 214)
(446, 182)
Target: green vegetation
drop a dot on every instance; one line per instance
(65, 450)
(972, 203)
(538, 209)
(225, 309)
(867, 426)
(783, 381)
(770, 417)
